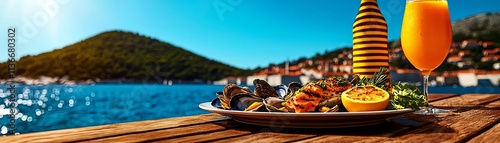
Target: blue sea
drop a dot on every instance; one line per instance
(52, 107)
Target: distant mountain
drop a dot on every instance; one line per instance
(482, 26)
(123, 56)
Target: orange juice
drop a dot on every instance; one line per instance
(426, 33)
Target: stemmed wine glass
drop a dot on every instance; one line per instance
(426, 39)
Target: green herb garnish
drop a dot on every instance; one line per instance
(405, 96)
(378, 79)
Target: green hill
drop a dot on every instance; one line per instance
(122, 55)
(481, 26)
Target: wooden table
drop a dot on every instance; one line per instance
(476, 119)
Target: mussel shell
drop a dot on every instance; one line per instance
(355, 79)
(273, 104)
(216, 103)
(221, 98)
(261, 107)
(243, 101)
(331, 102)
(292, 87)
(333, 109)
(231, 90)
(263, 89)
(282, 90)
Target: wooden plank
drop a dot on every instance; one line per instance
(376, 133)
(453, 128)
(492, 135)
(266, 134)
(456, 126)
(207, 137)
(466, 100)
(435, 97)
(493, 105)
(268, 137)
(343, 139)
(78, 134)
(171, 133)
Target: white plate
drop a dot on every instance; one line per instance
(307, 120)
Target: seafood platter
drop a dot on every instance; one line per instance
(333, 102)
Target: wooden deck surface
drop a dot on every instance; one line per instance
(476, 119)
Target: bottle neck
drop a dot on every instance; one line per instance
(363, 1)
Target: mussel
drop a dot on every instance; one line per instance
(216, 102)
(229, 92)
(246, 102)
(263, 89)
(292, 87)
(282, 90)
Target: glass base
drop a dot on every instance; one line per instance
(431, 111)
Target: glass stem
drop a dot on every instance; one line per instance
(426, 93)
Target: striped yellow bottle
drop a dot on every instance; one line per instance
(369, 40)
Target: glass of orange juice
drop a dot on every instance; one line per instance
(426, 39)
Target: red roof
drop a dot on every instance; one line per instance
(454, 59)
(294, 68)
(486, 44)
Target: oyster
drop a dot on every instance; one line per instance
(275, 104)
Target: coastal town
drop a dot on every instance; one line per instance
(460, 55)
(467, 58)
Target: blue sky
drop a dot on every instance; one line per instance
(243, 33)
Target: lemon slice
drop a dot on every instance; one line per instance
(365, 98)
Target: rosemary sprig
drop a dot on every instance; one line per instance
(379, 79)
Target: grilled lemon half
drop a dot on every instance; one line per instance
(365, 98)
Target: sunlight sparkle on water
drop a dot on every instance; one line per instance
(56, 91)
(44, 91)
(52, 98)
(19, 115)
(4, 130)
(38, 112)
(71, 102)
